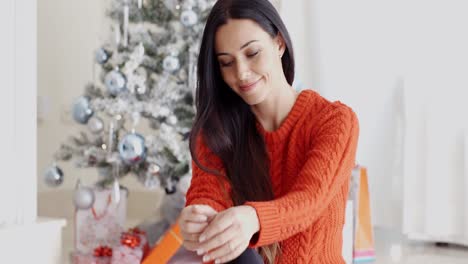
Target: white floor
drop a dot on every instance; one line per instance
(390, 249)
(394, 248)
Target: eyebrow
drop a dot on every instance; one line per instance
(243, 46)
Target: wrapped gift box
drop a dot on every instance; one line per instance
(132, 248)
(88, 258)
(126, 255)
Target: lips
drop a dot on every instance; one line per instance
(249, 86)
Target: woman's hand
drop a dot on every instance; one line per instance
(193, 220)
(228, 234)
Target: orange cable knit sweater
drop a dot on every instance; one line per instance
(311, 156)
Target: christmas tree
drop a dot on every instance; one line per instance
(146, 78)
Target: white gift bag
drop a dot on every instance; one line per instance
(102, 224)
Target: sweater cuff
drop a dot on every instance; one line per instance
(269, 221)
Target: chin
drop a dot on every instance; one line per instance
(255, 99)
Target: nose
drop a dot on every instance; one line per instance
(243, 71)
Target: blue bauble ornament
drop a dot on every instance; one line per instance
(132, 148)
(81, 110)
(102, 55)
(115, 82)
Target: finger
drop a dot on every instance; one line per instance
(191, 246)
(224, 250)
(193, 237)
(204, 210)
(193, 217)
(191, 227)
(225, 237)
(188, 215)
(218, 225)
(231, 256)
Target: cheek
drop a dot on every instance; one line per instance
(228, 77)
(265, 66)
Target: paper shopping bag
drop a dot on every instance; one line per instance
(102, 223)
(363, 248)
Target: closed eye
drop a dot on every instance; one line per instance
(227, 64)
(253, 54)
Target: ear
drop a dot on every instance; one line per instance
(281, 44)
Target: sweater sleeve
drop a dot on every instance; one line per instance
(206, 188)
(328, 166)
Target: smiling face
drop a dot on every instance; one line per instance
(249, 59)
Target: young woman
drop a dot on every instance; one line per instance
(271, 167)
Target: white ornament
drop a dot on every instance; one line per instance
(95, 124)
(188, 18)
(135, 118)
(83, 198)
(140, 50)
(171, 63)
(172, 120)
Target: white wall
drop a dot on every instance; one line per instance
(365, 53)
(359, 64)
(301, 22)
(18, 108)
(351, 51)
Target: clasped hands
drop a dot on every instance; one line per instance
(219, 237)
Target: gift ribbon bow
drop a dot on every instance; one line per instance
(130, 240)
(103, 251)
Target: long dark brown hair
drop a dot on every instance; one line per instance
(224, 121)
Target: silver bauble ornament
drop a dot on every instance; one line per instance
(81, 110)
(132, 148)
(83, 198)
(188, 18)
(95, 124)
(115, 82)
(102, 55)
(53, 176)
(171, 63)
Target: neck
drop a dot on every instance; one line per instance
(276, 107)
